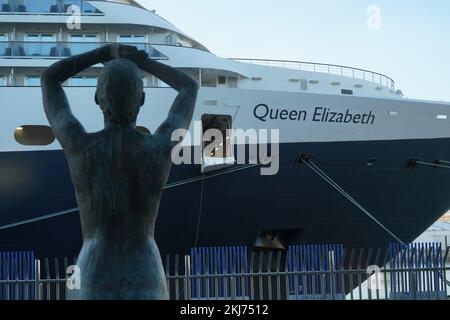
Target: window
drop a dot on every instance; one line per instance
(76, 82)
(2, 81)
(39, 6)
(5, 50)
(69, 3)
(87, 8)
(222, 80)
(45, 6)
(347, 92)
(209, 79)
(5, 6)
(31, 135)
(172, 39)
(83, 38)
(40, 45)
(232, 82)
(133, 39)
(33, 81)
(83, 81)
(80, 43)
(155, 54)
(152, 81)
(33, 37)
(91, 81)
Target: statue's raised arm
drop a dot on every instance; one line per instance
(182, 110)
(67, 129)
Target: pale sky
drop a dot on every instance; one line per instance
(412, 46)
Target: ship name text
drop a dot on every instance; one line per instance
(264, 113)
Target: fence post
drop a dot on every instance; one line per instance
(187, 279)
(37, 279)
(332, 275)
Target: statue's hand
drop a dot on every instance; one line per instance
(120, 51)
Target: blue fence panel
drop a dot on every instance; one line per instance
(17, 266)
(219, 261)
(319, 258)
(425, 280)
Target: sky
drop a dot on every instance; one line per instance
(406, 40)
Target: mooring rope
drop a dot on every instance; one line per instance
(200, 209)
(436, 165)
(444, 161)
(45, 217)
(330, 181)
(167, 187)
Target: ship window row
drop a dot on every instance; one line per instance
(77, 81)
(86, 37)
(59, 49)
(34, 80)
(46, 6)
(209, 78)
(98, 34)
(79, 37)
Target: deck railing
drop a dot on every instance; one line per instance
(342, 71)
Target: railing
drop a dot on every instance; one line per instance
(45, 6)
(29, 49)
(342, 71)
(303, 273)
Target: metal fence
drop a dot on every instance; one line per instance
(320, 272)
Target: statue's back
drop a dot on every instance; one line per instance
(119, 176)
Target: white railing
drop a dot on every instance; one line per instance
(342, 71)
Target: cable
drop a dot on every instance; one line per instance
(167, 187)
(200, 209)
(45, 217)
(436, 165)
(444, 161)
(330, 181)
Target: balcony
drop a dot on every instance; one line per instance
(20, 49)
(45, 6)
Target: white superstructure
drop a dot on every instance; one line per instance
(34, 34)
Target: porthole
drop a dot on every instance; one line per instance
(34, 135)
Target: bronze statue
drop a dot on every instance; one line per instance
(119, 173)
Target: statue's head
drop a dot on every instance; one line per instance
(120, 91)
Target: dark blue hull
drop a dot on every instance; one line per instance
(236, 206)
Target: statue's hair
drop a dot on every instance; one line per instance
(120, 90)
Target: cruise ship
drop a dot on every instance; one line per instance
(359, 164)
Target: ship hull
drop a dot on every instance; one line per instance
(234, 207)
